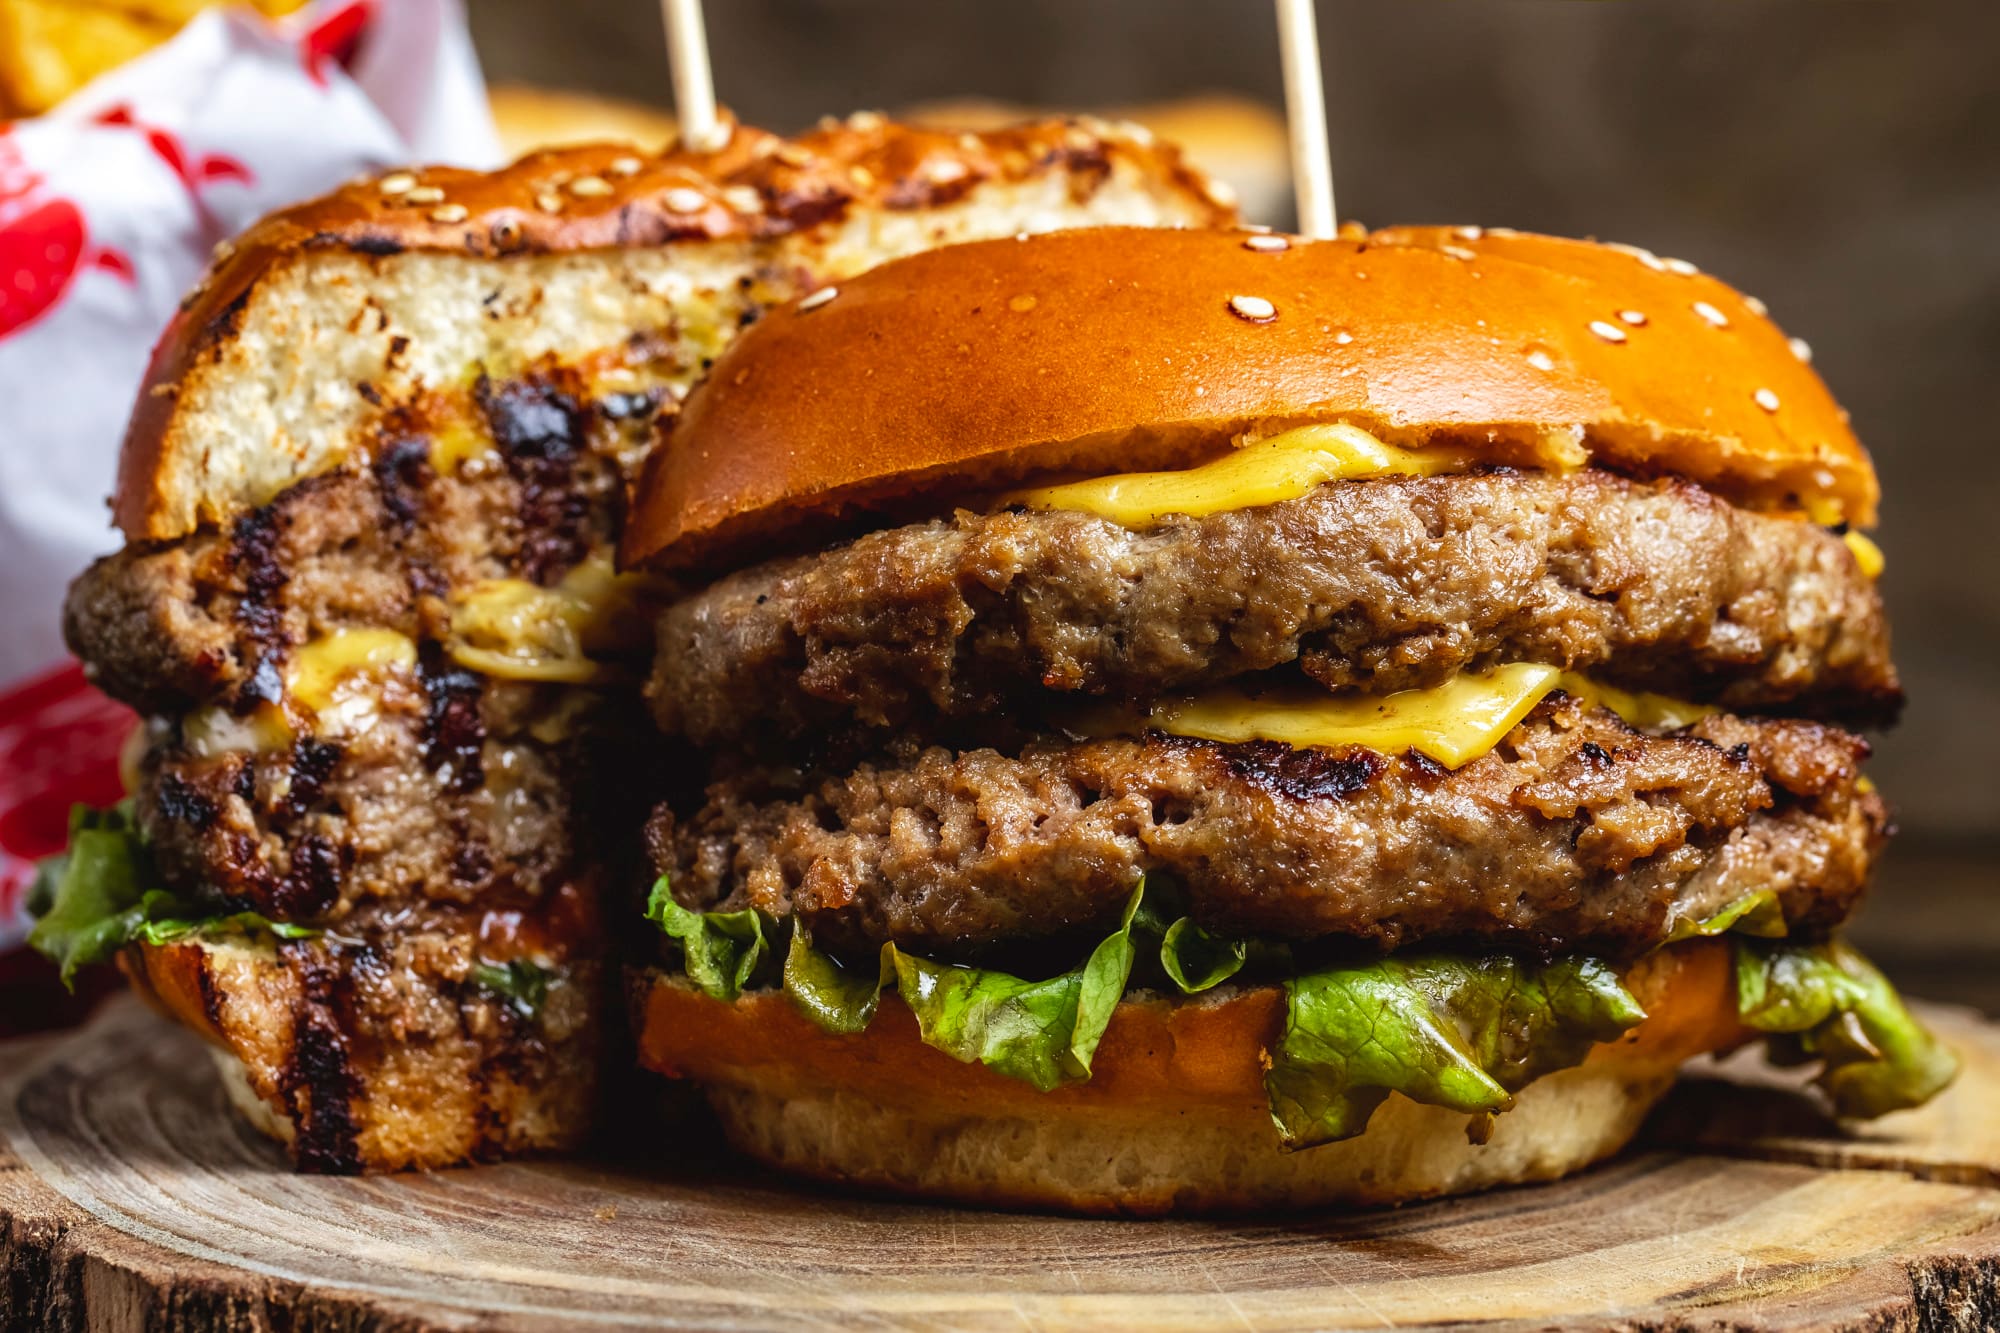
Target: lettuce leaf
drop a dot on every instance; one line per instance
(1196, 960)
(1042, 1032)
(1464, 1033)
(524, 983)
(1826, 1002)
(722, 949)
(91, 900)
(839, 999)
(1758, 913)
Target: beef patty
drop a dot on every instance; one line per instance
(1380, 585)
(1576, 833)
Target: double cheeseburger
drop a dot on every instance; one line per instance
(1201, 720)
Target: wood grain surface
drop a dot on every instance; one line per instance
(130, 1197)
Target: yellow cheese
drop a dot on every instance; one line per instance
(457, 443)
(1866, 553)
(516, 630)
(1268, 471)
(1453, 723)
(327, 669)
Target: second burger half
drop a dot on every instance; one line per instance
(1171, 699)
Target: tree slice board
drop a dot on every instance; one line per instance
(131, 1197)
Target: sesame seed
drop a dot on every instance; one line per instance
(1802, 350)
(865, 121)
(561, 178)
(1136, 132)
(862, 177)
(744, 199)
(1468, 233)
(792, 155)
(686, 200)
(1459, 252)
(1343, 337)
(398, 182)
(1640, 253)
(1680, 266)
(1253, 308)
(1220, 194)
(943, 170)
(1611, 333)
(1266, 244)
(1757, 307)
(549, 201)
(222, 251)
(969, 142)
(625, 166)
(590, 187)
(1636, 318)
(1541, 360)
(424, 194)
(1711, 314)
(449, 213)
(1022, 304)
(1079, 140)
(818, 299)
(1766, 400)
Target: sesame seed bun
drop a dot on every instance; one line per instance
(1118, 349)
(1173, 1117)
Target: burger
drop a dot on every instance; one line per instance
(1197, 720)
(384, 809)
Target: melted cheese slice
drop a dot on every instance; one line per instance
(1866, 553)
(1453, 723)
(1268, 471)
(326, 671)
(517, 630)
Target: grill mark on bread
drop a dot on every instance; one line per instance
(318, 1081)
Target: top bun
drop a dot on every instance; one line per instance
(1120, 349)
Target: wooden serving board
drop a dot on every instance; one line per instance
(131, 1198)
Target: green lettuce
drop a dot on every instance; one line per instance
(1458, 1031)
(1042, 1032)
(91, 900)
(1464, 1033)
(1197, 961)
(722, 950)
(839, 999)
(1758, 913)
(1826, 1002)
(525, 984)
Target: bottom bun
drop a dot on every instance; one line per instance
(1173, 1118)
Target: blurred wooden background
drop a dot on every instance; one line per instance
(1838, 158)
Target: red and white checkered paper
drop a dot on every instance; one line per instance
(109, 207)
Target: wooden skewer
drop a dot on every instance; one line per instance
(1305, 110)
(702, 128)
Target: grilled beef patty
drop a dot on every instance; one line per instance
(1576, 833)
(1379, 585)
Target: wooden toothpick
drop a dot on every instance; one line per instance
(1305, 110)
(702, 128)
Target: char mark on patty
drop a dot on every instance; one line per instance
(539, 428)
(1577, 833)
